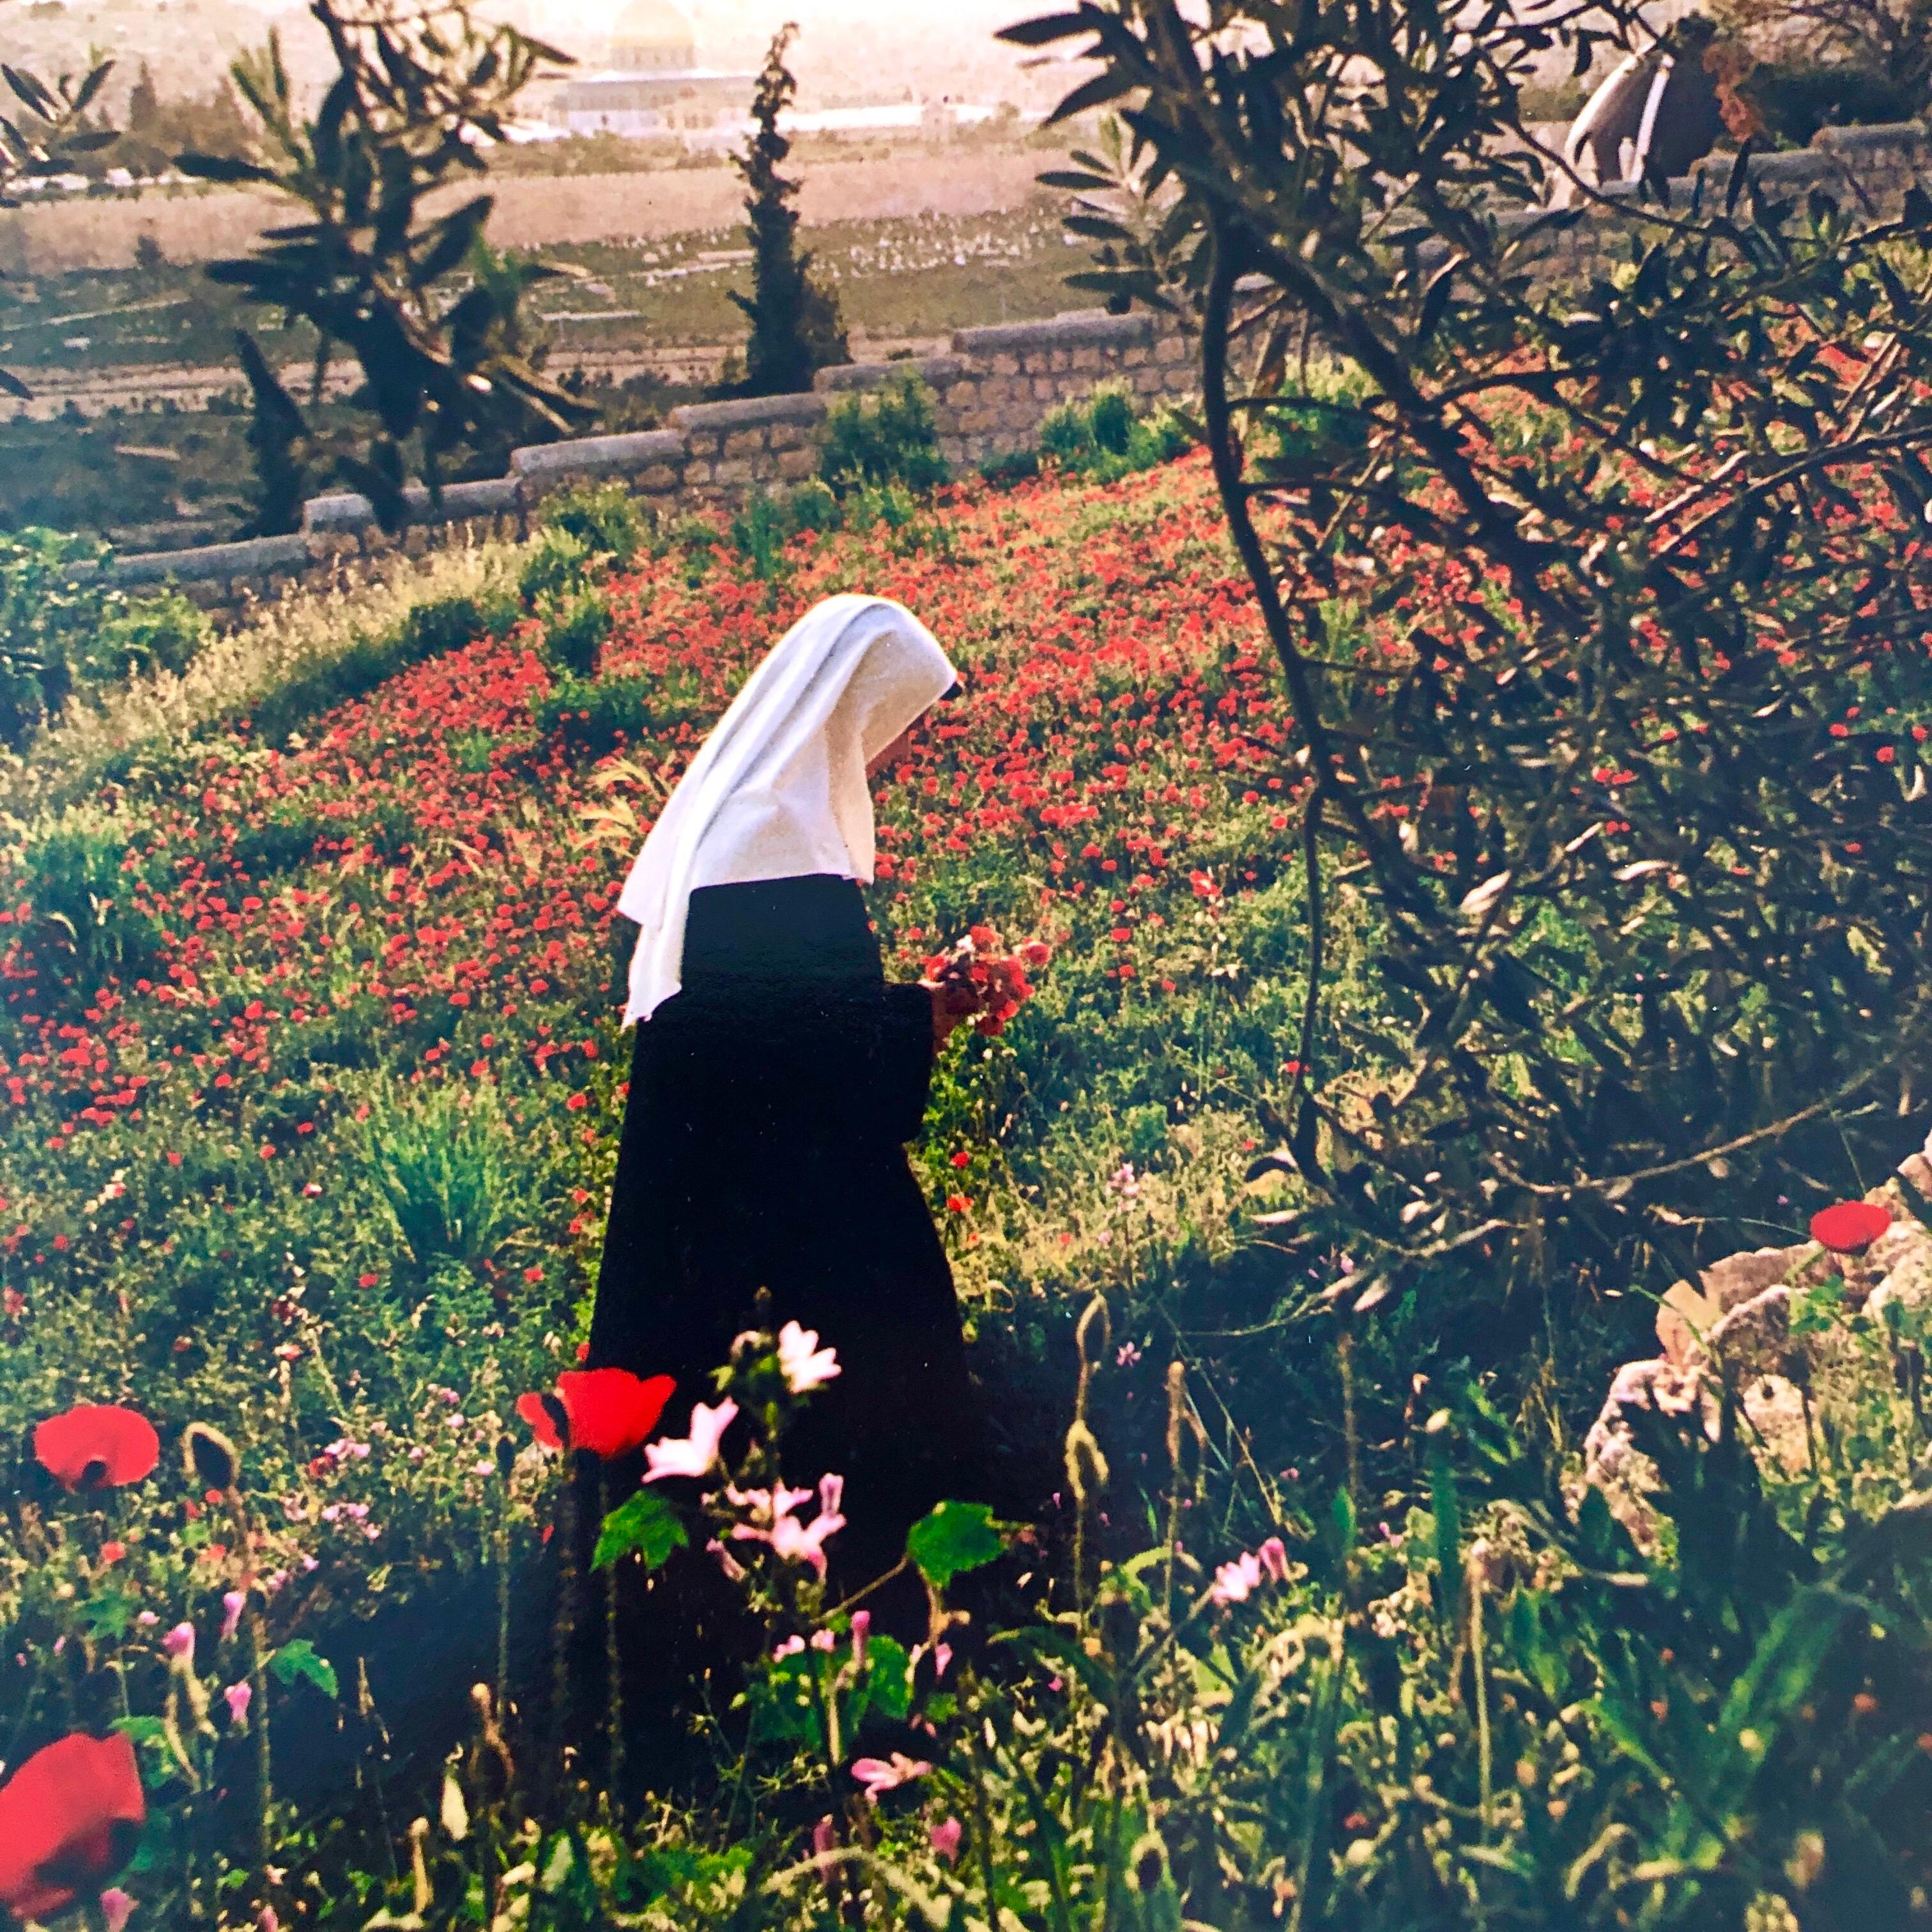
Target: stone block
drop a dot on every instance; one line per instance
(557, 463)
(793, 465)
(658, 479)
(744, 442)
(721, 419)
(1045, 389)
(1171, 348)
(734, 471)
(1004, 364)
(250, 560)
(1073, 329)
(962, 394)
(936, 372)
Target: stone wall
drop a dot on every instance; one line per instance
(991, 389)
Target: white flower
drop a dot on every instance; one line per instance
(695, 1454)
(1235, 1581)
(805, 1365)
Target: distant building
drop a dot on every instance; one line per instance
(653, 84)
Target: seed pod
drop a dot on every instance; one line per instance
(210, 1457)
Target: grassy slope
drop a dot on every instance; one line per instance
(398, 932)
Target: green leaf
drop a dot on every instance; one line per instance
(646, 1526)
(954, 1538)
(296, 1662)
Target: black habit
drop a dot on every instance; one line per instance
(763, 1147)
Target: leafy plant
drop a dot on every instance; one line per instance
(1625, 769)
(603, 517)
(575, 635)
(442, 1164)
(420, 93)
(1106, 438)
(888, 437)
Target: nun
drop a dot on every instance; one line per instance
(777, 1076)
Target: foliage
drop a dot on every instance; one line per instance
(1889, 41)
(603, 517)
(573, 637)
(418, 93)
(1794, 99)
(53, 133)
(1628, 785)
(889, 436)
(796, 328)
(1106, 437)
(63, 629)
(442, 1164)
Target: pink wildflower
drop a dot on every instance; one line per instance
(1234, 1582)
(239, 1696)
(805, 1365)
(233, 1603)
(1273, 1554)
(179, 1644)
(945, 1838)
(116, 1907)
(882, 1774)
(695, 1454)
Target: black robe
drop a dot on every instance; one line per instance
(763, 1146)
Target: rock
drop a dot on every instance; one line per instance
(1687, 1313)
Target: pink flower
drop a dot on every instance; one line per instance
(232, 1602)
(831, 1494)
(942, 1655)
(945, 1839)
(862, 1628)
(805, 1365)
(734, 1571)
(793, 1646)
(881, 1775)
(1274, 1554)
(239, 1696)
(179, 1644)
(695, 1454)
(824, 1841)
(116, 1908)
(1233, 1582)
(805, 1543)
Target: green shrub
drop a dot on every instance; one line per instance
(603, 517)
(574, 637)
(282, 841)
(1104, 436)
(1795, 99)
(557, 564)
(84, 922)
(443, 1165)
(597, 717)
(760, 532)
(1015, 466)
(64, 627)
(888, 437)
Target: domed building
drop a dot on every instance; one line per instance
(652, 83)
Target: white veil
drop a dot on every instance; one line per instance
(778, 788)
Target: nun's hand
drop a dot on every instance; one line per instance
(954, 1001)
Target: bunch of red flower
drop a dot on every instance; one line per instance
(997, 979)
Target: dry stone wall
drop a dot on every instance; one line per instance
(991, 388)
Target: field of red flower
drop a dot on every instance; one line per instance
(310, 1070)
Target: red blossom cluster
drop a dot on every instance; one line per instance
(996, 979)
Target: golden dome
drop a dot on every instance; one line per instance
(652, 35)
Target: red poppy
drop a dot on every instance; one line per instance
(69, 1819)
(1851, 1227)
(608, 1411)
(97, 1446)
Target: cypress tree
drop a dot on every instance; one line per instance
(796, 327)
